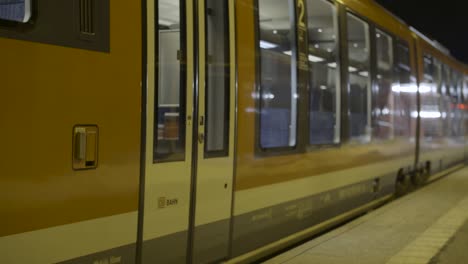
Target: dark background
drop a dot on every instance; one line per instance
(443, 20)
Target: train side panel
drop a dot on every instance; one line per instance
(51, 212)
(279, 195)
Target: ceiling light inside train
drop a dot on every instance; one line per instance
(427, 114)
(411, 88)
(166, 22)
(313, 58)
(426, 88)
(267, 45)
(364, 73)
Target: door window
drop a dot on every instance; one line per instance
(217, 78)
(170, 112)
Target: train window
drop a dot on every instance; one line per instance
(169, 138)
(437, 74)
(382, 96)
(454, 90)
(217, 78)
(278, 84)
(359, 80)
(445, 100)
(324, 108)
(456, 113)
(430, 112)
(404, 93)
(15, 10)
(465, 90)
(428, 68)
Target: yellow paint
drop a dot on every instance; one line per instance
(46, 90)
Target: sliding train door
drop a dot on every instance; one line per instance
(215, 122)
(186, 206)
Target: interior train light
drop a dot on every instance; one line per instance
(364, 73)
(425, 88)
(427, 114)
(313, 58)
(267, 45)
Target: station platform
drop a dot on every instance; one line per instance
(429, 225)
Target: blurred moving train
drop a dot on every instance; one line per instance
(173, 131)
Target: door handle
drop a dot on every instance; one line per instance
(85, 147)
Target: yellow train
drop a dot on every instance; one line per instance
(174, 131)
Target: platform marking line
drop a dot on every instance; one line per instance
(430, 242)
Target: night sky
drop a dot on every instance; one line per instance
(443, 20)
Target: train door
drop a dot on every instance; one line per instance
(189, 131)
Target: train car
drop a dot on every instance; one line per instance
(174, 131)
(442, 108)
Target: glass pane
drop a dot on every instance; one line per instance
(405, 92)
(382, 99)
(169, 143)
(278, 96)
(359, 80)
(430, 114)
(465, 91)
(217, 74)
(323, 77)
(445, 101)
(15, 10)
(455, 100)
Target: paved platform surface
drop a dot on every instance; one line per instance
(429, 225)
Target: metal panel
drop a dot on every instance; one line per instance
(57, 22)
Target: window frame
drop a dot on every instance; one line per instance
(227, 82)
(182, 156)
(413, 72)
(15, 22)
(374, 70)
(339, 82)
(277, 151)
(12, 25)
(346, 136)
